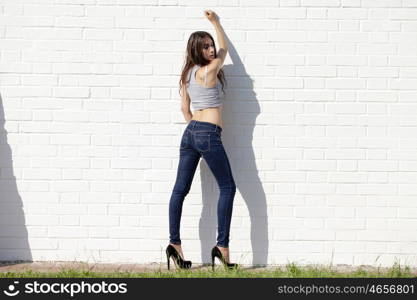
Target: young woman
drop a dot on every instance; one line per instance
(200, 86)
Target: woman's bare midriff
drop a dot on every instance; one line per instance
(211, 115)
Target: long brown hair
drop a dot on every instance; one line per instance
(194, 56)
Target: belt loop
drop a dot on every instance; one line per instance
(192, 128)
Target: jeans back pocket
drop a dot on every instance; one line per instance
(215, 140)
(202, 141)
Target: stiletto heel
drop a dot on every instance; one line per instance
(215, 252)
(178, 261)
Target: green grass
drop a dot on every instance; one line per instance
(290, 270)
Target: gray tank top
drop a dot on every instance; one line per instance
(201, 96)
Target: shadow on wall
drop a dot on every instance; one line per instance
(14, 245)
(239, 118)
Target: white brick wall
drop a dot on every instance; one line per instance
(319, 124)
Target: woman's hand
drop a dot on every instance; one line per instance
(211, 16)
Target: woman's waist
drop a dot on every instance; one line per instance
(203, 126)
(209, 112)
(211, 115)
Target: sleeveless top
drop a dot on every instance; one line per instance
(202, 97)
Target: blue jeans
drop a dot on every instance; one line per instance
(203, 139)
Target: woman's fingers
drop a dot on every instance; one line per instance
(211, 15)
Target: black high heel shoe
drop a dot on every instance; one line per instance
(179, 262)
(215, 252)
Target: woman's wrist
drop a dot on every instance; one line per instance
(216, 23)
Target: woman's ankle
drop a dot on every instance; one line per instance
(222, 247)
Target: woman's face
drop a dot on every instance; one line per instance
(208, 49)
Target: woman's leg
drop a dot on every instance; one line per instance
(187, 166)
(218, 163)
